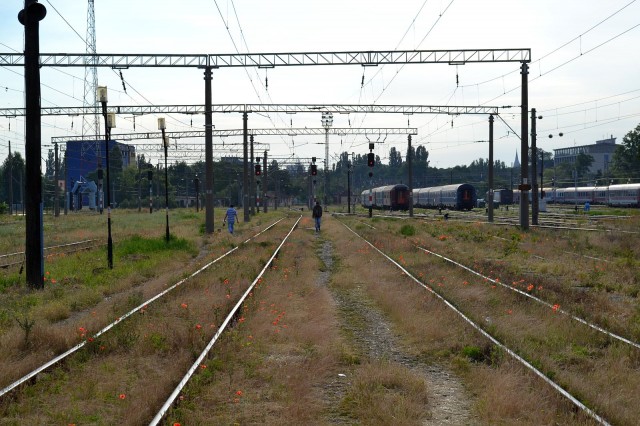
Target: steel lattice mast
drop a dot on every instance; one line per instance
(91, 123)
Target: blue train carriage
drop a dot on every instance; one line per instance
(458, 197)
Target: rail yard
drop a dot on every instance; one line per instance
(423, 318)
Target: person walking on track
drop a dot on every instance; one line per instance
(317, 214)
(230, 217)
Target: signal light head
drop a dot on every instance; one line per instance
(258, 170)
(314, 170)
(371, 160)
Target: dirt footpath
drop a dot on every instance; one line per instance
(372, 335)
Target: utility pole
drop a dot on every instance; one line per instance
(264, 182)
(348, 186)
(252, 190)
(10, 180)
(490, 200)
(524, 148)
(30, 17)
(534, 168)
(66, 183)
(208, 151)
(56, 204)
(409, 164)
(245, 166)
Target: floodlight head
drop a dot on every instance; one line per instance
(101, 91)
(111, 120)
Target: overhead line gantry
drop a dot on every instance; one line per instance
(265, 108)
(209, 62)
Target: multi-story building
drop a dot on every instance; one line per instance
(602, 153)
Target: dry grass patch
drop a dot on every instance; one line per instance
(435, 334)
(383, 393)
(270, 368)
(125, 375)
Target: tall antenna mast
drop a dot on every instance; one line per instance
(91, 123)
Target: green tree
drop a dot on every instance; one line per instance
(395, 158)
(626, 158)
(16, 171)
(50, 165)
(583, 163)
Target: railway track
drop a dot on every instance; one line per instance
(231, 316)
(10, 260)
(548, 223)
(91, 341)
(607, 351)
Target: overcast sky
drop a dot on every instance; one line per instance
(583, 76)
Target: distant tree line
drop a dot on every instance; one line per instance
(130, 185)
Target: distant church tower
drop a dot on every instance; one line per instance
(516, 163)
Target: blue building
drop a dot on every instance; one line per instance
(84, 157)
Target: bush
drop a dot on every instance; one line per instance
(4, 208)
(407, 230)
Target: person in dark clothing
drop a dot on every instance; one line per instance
(317, 214)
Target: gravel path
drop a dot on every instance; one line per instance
(373, 338)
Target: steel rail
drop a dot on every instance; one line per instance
(176, 392)
(537, 299)
(494, 340)
(4, 257)
(50, 247)
(122, 318)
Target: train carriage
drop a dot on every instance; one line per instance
(458, 197)
(621, 195)
(390, 197)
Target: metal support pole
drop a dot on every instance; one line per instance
(11, 180)
(410, 165)
(349, 187)
(490, 200)
(150, 176)
(56, 203)
(139, 187)
(107, 132)
(66, 183)
(371, 197)
(245, 165)
(208, 152)
(264, 182)
(166, 185)
(252, 191)
(534, 168)
(326, 168)
(524, 148)
(30, 17)
(196, 183)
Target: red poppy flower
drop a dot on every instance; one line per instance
(122, 396)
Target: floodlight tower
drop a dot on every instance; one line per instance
(91, 123)
(327, 122)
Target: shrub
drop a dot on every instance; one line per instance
(407, 230)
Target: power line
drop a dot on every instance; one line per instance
(557, 48)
